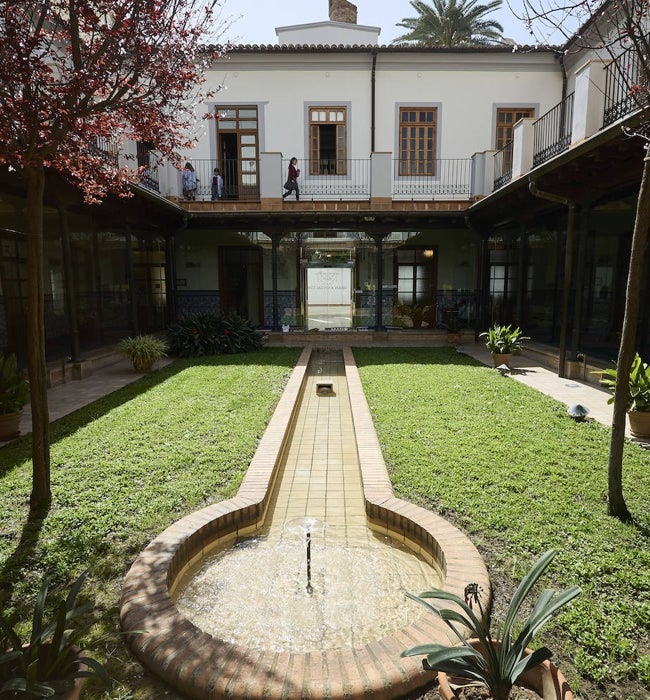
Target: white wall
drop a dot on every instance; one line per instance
(326, 33)
(467, 87)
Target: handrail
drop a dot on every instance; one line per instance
(621, 76)
(552, 131)
(503, 165)
(448, 178)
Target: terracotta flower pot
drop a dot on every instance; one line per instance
(501, 359)
(546, 680)
(9, 426)
(640, 424)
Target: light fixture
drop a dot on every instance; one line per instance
(578, 412)
(428, 253)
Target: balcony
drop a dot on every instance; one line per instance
(330, 180)
(443, 178)
(552, 131)
(503, 165)
(622, 77)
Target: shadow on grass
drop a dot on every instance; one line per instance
(19, 451)
(22, 553)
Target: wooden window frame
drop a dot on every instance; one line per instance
(331, 118)
(417, 149)
(505, 137)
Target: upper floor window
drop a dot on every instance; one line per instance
(506, 119)
(327, 141)
(417, 141)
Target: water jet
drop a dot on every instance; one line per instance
(204, 664)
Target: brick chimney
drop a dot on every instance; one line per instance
(343, 11)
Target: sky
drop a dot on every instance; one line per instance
(254, 21)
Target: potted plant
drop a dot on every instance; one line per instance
(143, 351)
(638, 398)
(453, 330)
(496, 661)
(503, 342)
(416, 312)
(50, 664)
(14, 394)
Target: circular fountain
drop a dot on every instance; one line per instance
(288, 590)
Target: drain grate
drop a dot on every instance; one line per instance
(325, 388)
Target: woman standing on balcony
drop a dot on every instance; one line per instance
(291, 185)
(189, 182)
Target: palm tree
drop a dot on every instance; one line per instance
(451, 23)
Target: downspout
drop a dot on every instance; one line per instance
(568, 266)
(372, 99)
(564, 77)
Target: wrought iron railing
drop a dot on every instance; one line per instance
(240, 179)
(624, 83)
(448, 178)
(552, 131)
(105, 149)
(149, 178)
(343, 178)
(503, 165)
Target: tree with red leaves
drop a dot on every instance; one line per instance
(617, 30)
(74, 73)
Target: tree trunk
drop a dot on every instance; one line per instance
(41, 495)
(616, 502)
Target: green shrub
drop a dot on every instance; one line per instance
(196, 335)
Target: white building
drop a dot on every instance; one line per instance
(441, 177)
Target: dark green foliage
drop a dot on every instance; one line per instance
(503, 339)
(47, 664)
(196, 335)
(14, 389)
(639, 386)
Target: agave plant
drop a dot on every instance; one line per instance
(47, 665)
(498, 659)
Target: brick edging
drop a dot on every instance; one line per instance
(205, 667)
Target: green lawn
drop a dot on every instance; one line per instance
(501, 461)
(123, 469)
(509, 467)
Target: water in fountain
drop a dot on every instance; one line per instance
(255, 593)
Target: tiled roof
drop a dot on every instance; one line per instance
(384, 48)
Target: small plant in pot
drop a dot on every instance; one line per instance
(503, 342)
(14, 394)
(638, 398)
(143, 351)
(418, 313)
(496, 661)
(51, 663)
